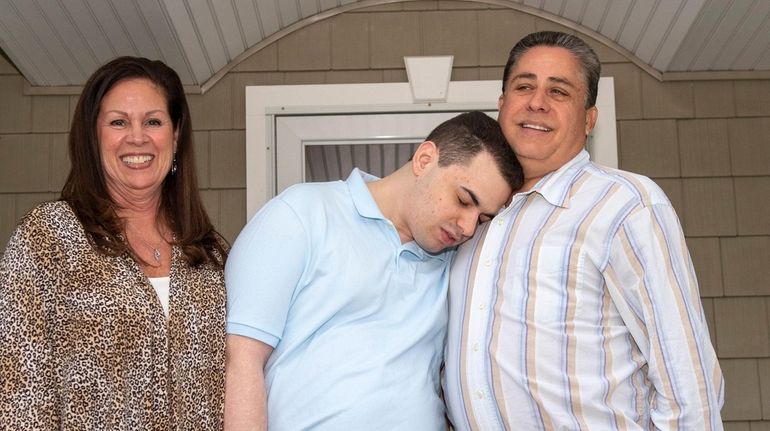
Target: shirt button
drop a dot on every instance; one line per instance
(480, 394)
(488, 262)
(500, 221)
(482, 306)
(475, 347)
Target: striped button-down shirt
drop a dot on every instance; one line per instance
(577, 308)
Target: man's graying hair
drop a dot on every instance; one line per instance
(585, 55)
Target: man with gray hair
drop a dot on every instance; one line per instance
(577, 307)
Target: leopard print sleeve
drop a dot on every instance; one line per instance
(28, 377)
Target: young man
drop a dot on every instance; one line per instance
(577, 308)
(337, 291)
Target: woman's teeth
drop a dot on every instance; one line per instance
(135, 160)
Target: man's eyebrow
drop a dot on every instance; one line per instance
(557, 79)
(561, 80)
(524, 75)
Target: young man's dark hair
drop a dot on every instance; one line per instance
(461, 138)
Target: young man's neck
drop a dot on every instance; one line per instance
(391, 194)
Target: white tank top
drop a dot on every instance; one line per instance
(161, 288)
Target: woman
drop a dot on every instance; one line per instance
(112, 299)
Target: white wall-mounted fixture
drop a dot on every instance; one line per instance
(429, 77)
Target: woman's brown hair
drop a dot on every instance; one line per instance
(86, 189)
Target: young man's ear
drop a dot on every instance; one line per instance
(425, 156)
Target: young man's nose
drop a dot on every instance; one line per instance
(467, 223)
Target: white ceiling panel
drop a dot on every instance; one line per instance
(657, 29)
(764, 61)
(594, 13)
(209, 33)
(53, 45)
(574, 10)
(61, 42)
(137, 29)
(159, 23)
(701, 31)
(308, 8)
(72, 38)
(637, 21)
(187, 34)
(553, 6)
(537, 4)
(721, 34)
(9, 43)
(92, 31)
(249, 21)
(746, 30)
(268, 11)
(328, 4)
(676, 33)
(288, 10)
(756, 54)
(112, 28)
(227, 22)
(615, 18)
(30, 51)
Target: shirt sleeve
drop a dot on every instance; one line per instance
(652, 282)
(28, 374)
(263, 271)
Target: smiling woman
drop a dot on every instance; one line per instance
(137, 140)
(112, 299)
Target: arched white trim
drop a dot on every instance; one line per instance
(369, 3)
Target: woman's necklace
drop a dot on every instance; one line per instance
(155, 249)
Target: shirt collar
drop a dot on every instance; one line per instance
(362, 197)
(555, 186)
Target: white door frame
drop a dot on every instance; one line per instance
(263, 103)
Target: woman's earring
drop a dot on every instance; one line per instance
(173, 165)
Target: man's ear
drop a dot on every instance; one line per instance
(425, 156)
(500, 101)
(591, 115)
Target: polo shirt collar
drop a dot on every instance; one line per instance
(555, 186)
(362, 197)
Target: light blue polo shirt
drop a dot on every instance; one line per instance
(357, 320)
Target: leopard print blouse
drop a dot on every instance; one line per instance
(84, 343)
